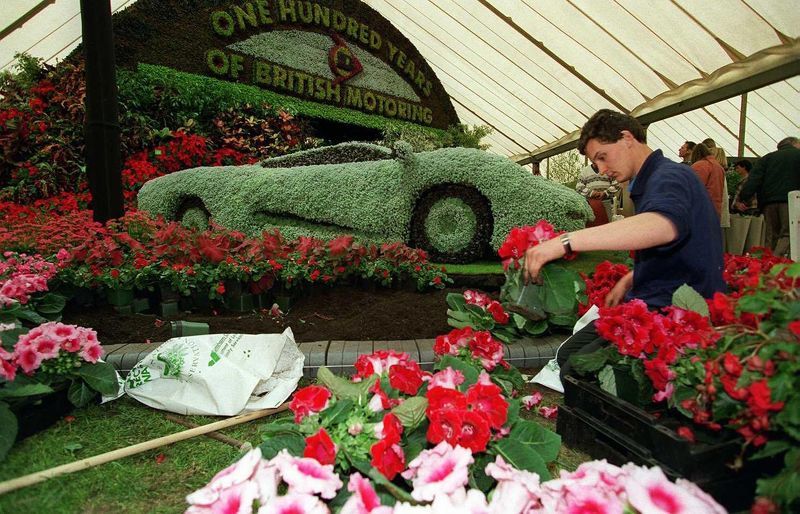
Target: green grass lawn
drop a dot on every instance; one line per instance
(153, 481)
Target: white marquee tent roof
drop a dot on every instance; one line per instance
(535, 70)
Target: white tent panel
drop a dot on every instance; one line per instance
(537, 75)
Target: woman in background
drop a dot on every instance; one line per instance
(711, 175)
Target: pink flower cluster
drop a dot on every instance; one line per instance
(483, 301)
(439, 477)
(49, 341)
(600, 487)
(21, 276)
(477, 345)
(254, 479)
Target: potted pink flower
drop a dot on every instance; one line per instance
(50, 358)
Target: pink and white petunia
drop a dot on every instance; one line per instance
(237, 499)
(364, 499)
(407, 508)
(517, 490)
(463, 502)
(307, 476)
(294, 503)
(440, 470)
(448, 378)
(649, 490)
(236, 474)
(532, 400)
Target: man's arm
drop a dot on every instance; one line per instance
(644, 230)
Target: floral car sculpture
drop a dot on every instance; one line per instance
(455, 203)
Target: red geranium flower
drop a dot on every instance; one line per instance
(488, 400)
(406, 377)
(445, 398)
(388, 458)
(309, 400)
(445, 425)
(474, 431)
(320, 447)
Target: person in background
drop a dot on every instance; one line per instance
(685, 151)
(599, 190)
(710, 173)
(771, 179)
(674, 231)
(742, 169)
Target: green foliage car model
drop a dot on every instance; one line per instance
(456, 203)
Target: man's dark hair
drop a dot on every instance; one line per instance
(689, 145)
(791, 140)
(606, 126)
(744, 163)
(700, 151)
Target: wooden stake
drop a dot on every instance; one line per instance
(213, 435)
(41, 476)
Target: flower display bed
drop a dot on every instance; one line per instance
(341, 313)
(608, 427)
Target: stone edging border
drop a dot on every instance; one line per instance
(340, 356)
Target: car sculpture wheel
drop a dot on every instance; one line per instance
(193, 213)
(453, 223)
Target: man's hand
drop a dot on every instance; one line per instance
(617, 293)
(540, 255)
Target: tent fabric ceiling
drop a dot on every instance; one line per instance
(535, 70)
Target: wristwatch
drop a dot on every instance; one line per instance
(567, 246)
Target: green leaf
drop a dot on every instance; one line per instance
(478, 479)
(459, 315)
(687, 298)
(514, 406)
(415, 443)
(51, 303)
(293, 442)
(563, 320)
(558, 291)
(508, 379)
(756, 303)
(14, 390)
(80, 394)
(338, 412)
(471, 373)
(724, 406)
(545, 442)
(411, 412)
(100, 376)
(31, 316)
(521, 456)
(517, 320)
(8, 430)
(456, 301)
(343, 388)
(590, 363)
(793, 270)
(536, 328)
(772, 448)
(607, 379)
(785, 486)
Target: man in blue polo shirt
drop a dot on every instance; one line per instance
(675, 231)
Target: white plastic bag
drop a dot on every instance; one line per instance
(218, 374)
(550, 375)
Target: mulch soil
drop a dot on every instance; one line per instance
(343, 313)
